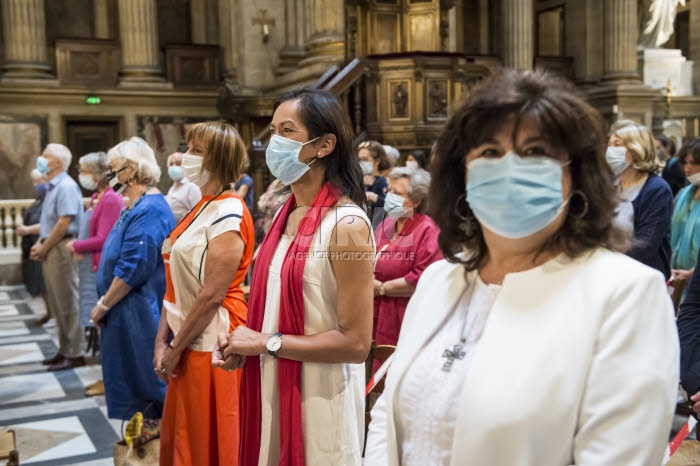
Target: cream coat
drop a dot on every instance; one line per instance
(578, 364)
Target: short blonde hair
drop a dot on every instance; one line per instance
(640, 142)
(137, 151)
(225, 155)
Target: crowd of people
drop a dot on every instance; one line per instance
(552, 248)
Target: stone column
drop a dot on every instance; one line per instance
(101, 19)
(24, 34)
(620, 40)
(294, 50)
(138, 27)
(694, 52)
(228, 38)
(198, 17)
(518, 34)
(326, 42)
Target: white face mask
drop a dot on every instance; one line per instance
(616, 157)
(367, 167)
(412, 164)
(87, 182)
(694, 179)
(193, 171)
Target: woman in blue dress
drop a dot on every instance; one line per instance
(131, 283)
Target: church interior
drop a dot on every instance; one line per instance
(90, 73)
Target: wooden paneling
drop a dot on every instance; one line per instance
(89, 62)
(193, 65)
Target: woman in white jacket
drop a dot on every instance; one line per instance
(534, 343)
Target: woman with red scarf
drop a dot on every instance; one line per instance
(310, 310)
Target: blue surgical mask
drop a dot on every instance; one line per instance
(393, 204)
(367, 167)
(616, 159)
(514, 196)
(175, 172)
(42, 164)
(282, 157)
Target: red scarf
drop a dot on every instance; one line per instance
(291, 322)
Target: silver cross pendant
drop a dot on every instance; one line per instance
(450, 356)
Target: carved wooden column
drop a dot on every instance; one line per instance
(24, 34)
(228, 38)
(138, 27)
(518, 34)
(620, 39)
(294, 50)
(326, 39)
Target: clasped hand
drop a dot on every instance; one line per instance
(231, 350)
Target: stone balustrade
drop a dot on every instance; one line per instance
(11, 213)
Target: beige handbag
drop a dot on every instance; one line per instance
(146, 455)
(8, 447)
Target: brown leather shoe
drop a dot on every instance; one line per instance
(55, 360)
(95, 389)
(67, 363)
(42, 320)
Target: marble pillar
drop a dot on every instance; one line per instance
(198, 19)
(229, 29)
(326, 37)
(294, 50)
(101, 19)
(620, 32)
(518, 34)
(694, 52)
(138, 27)
(24, 36)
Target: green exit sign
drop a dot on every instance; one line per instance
(93, 100)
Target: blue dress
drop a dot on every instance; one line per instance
(132, 252)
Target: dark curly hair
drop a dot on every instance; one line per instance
(690, 148)
(570, 125)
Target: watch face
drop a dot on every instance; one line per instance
(274, 343)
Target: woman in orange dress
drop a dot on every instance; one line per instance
(206, 258)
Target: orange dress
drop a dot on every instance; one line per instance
(200, 424)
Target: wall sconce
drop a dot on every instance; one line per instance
(265, 22)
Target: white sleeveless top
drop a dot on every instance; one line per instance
(333, 398)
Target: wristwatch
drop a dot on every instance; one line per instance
(273, 344)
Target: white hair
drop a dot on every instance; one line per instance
(137, 151)
(37, 175)
(95, 163)
(392, 153)
(61, 152)
(418, 184)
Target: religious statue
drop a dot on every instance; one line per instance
(658, 26)
(400, 100)
(438, 98)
